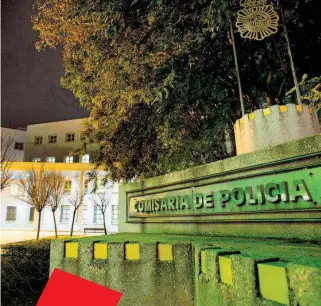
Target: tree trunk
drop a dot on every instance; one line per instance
(73, 221)
(267, 92)
(105, 229)
(268, 96)
(39, 223)
(55, 223)
(232, 137)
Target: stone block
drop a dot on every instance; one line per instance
(100, 250)
(165, 252)
(273, 282)
(71, 250)
(132, 251)
(305, 283)
(225, 268)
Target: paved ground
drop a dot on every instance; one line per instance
(7, 235)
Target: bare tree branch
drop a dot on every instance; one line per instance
(102, 201)
(57, 181)
(36, 189)
(76, 201)
(6, 159)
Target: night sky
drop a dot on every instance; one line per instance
(30, 89)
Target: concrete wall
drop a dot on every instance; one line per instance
(198, 270)
(61, 148)
(265, 163)
(16, 136)
(147, 281)
(259, 258)
(228, 277)
(274, 125)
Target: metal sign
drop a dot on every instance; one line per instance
(256, 20)
(291, 191)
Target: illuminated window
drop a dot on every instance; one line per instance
(18, 146)
(50, 159)
(38, 140)
(64, 213)
(11, 213)
(36, 160)
(114, 214)
(32, 214)
(67, 187)
(52, 138)
(69, 159)
(85, 159)
(98, 216)
(70, 137)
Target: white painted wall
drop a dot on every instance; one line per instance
(17, 136)
(9, 198)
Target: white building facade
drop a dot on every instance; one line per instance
(51, 146)
(17, 214)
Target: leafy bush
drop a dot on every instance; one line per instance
(24, 271)
(310, 89)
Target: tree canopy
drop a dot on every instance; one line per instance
(159, 78)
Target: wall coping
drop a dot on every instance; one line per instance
(301, 148)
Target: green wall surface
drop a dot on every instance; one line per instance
(232, 252)
(297, 159)
(262, 272)
(146, 281)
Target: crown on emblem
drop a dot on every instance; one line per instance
(251, 3)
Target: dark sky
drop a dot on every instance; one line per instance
(30, 89)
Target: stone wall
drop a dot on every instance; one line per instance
(225, 258)
(141, 275)
(304, 154)
(171, 270)
(229, 277)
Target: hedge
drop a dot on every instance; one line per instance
(24, 271)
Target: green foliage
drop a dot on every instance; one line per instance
(310, 90)
(24, 271)
(159, 79)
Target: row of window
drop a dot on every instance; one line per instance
(38, 140)
(69, 137)
(12, 213)
(67, 187)
(100, 186)
(68, 159)
(65, 213)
